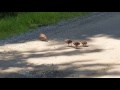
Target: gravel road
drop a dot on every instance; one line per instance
(25, 56)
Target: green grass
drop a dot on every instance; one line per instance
(24, 21)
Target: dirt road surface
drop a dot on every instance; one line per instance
(25, 56)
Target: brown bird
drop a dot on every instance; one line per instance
(68, 41)
(42, 37)
(84, 43)
(76, 44)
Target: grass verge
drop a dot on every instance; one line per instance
(24, 21)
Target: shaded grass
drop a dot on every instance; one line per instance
(25, 21)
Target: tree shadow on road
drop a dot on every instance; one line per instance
(16, 62)
(86, 69)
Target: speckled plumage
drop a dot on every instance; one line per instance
(84, 43)
(68, 41)
(76, 44)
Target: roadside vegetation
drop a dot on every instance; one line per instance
(14, 23)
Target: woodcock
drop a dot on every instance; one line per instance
(42, 37)
(84, 43)
(68, 41)
(76, 44)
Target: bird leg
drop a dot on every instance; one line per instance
(76, 46)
